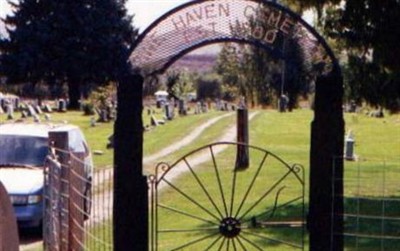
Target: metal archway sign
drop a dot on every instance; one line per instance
(258, 22)
(204, 22)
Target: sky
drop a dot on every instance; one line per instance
(147, 11)
(144, 11)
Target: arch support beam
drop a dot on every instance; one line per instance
(325, 219)
(130, 209)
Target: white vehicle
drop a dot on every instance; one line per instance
(23, 151)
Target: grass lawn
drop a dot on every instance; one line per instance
(154, 140)
(288, 136)
(375, 174)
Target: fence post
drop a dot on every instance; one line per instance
(76, 199)
(59, 140)
(325, 218)
(51, 226)
(242, 155)
(130, 207)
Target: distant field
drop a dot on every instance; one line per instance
(154, 140)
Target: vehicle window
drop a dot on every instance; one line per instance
(76, 141)
(23, 150)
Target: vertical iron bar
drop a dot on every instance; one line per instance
(383, 207)
(222, 243)
(219, 181)
(203, 187)
(233, 193)
(358, 204)
(251, 184)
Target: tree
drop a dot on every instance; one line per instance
(227, 66)
(179, 83)
(370, 32)
(208, 88)
(260, 76)
(67, 42)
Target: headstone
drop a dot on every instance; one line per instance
(3, 104)
(204, 108)
(38, 110)
(110, 143)
(377, 114)
(218, 105)
(24, 114)
(36, 118)
(153, 121)
(62, 105)
(9, 108)
(16, 103)
(47, 117)
(10, 112)
(283, 103)
(98, 111)
(349, 147)
(31, 111)
(110, 113)
(9, 240)
(98, 152)
(47, 108)
(103, 115)
(352, 107)
(225, 106)
(169, 112)
(197, 108)
(182, 107)
(92, 122)
(1, 110)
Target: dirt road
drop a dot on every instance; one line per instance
(102, 201)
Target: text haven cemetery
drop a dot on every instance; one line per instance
(222, 20)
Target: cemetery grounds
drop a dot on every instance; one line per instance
(372, 192)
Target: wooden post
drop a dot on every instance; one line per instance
(130, 209)
(242, 154)
(76, 200)
(325, 219)
(52, 226)
(59, 140)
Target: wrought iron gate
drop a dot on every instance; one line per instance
(202, 203)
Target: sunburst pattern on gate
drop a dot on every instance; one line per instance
(202, 203)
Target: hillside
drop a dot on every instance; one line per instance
(196, 62)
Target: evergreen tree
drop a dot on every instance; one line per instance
(370, 33)
(67, 42)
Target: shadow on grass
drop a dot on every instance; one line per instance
(372, 223)
(282, 230)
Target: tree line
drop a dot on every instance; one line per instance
(66, 43)
(75, 45)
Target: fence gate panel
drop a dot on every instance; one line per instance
(202, 202)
